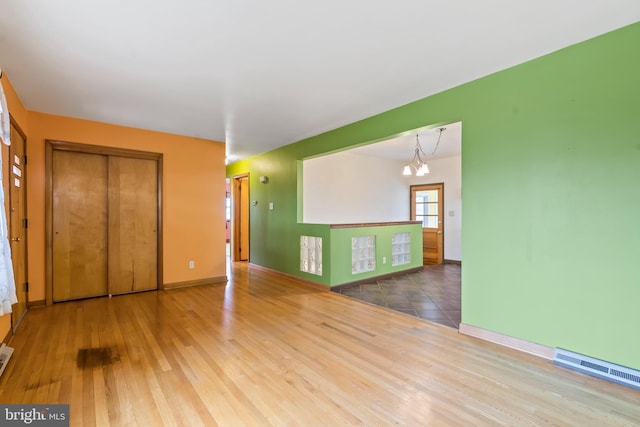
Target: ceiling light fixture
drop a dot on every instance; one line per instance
(418, 163)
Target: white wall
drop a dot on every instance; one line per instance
(345, 188)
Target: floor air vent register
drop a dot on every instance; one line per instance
(5, 355)
(598, 368)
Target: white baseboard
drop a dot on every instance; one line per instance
(507, 341)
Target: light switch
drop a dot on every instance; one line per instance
(270, 206)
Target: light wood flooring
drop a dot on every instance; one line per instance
(261, 351)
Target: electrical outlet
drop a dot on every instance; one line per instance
(384, 259)
(192, 264)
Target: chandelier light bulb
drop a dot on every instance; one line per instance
(417, 162)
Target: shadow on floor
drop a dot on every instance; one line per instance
(432, 294)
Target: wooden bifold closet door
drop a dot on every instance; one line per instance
(104, 224)
(132, 225)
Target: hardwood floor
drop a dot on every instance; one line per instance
(260, 350)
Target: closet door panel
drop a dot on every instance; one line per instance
(133, 207)
(79, 222)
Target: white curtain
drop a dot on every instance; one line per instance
(7, 281)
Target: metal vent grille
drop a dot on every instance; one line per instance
(598, 368)
(626, 375)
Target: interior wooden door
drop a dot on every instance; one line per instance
(241, 218)
(17, 222)
(79, 217)
(427, 206)
(133, 223)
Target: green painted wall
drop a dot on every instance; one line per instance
(551, 179)
(341, 271)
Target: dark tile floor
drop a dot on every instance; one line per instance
(432, 294)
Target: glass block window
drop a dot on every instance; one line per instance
(311, 255)
(400, 248)
(363, 254)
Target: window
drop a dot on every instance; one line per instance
(427, 208)
(400, 248)
(363, 254)
(311, 255)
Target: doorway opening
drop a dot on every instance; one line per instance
(427, 206)
(240, 221)
(433, 294)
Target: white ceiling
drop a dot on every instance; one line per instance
(261, 74)
(403, 147)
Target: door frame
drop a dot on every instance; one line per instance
(237, 199)
(15, 323)
(412, 209)
(53, 145)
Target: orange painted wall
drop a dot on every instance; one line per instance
(193, 194)
(19, 114)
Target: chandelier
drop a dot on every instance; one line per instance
(418, 164)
